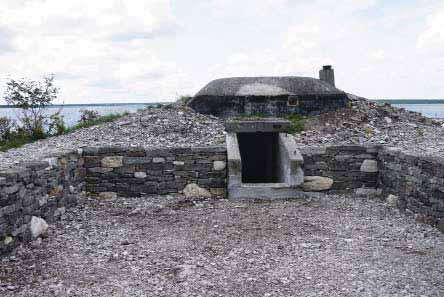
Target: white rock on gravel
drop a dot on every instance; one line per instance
(8, 240)
(392, 200)
(317, 183)
(37, 226)
(368, 192)
(193, 190)
(108, 195)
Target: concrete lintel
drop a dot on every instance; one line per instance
(257, 125)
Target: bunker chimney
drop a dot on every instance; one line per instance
(327, 74)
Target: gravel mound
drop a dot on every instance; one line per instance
(171, 246)
(367, 122)
(364, 122)
(150, 128)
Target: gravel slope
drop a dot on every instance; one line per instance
(169, 246)
(151, 128)
(366, 122)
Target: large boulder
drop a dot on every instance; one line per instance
(392, 200)
(317, 183)
(38, 226)
(193, 190)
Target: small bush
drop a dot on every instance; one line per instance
(32, 98)
(16, 140)
(96, 121)
(297, 123)
(6, 128)
(183, 100)
(88, 116)
(56, 124)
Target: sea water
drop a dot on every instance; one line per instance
(429, 110)
(72, 113)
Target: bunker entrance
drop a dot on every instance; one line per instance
(260, 157)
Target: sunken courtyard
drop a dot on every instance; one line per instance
(221, 196)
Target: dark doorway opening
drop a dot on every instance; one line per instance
(259, 154)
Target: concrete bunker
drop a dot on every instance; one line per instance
(263, 161)
(270, 96)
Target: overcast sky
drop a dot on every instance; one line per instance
(156, 50)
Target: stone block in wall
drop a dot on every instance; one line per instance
(219, 165)
(141, 175)
(369, 166)
(100, 170)
(92, 161)
(112, 161)
(136, 160)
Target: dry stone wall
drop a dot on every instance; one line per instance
(417, 183)
(350, 167)
(135, 171)
(44, 189)
(38, 189)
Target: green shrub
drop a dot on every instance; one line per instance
(16, 140)
(57, 124)
(88, 116)
(6, 128)
(32, 98)
(183, 100)
(297, 123)
(96, 121)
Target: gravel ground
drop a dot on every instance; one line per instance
(170, 246)
(151, 128)
(366, 122)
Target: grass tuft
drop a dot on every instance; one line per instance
(297, 123)
(100, 120)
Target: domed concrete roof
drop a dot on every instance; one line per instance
(267, 86)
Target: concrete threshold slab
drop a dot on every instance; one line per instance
(265, 191)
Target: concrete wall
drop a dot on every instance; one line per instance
(134, 171)
(41, 189)
(417, 181)
(276, 106)
(350, 167)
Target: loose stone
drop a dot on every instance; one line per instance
(38, 226)
(317, 183)
(193, 190)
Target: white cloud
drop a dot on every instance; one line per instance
(246, 8)
(114, 50)
(98, 50)
(378, 55)
(432, 38)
